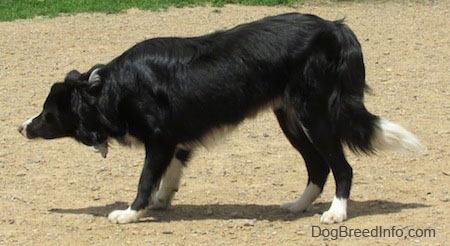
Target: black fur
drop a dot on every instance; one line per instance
(172, 92)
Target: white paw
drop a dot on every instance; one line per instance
(337, 212)
(331, 217)
(125, 216)
(294, 207)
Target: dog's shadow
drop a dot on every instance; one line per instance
(247, 211)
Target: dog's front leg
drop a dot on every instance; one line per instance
(157, 159)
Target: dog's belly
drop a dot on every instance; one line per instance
(218, 133)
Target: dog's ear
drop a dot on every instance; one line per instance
(73, 77)
(91, 78)
(94, 81)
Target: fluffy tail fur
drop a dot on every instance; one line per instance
(390, 136)
(356, 127)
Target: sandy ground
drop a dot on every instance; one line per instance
(59, 192)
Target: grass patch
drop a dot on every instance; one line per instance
(23, 9)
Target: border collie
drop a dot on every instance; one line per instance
(174, 94)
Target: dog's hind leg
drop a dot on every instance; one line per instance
(157, 159)
(171, 180)
(316, 166)
(328, 144)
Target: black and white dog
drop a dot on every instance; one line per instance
(174, 94)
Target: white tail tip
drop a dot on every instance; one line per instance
(391, 136)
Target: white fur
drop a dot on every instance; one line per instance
(23, 127)
(391, 136)
(210, 139)
(94, 77)
(337, 212)
(310, 194)
(169, 185)
(306, 132)
(131, 140)
(213, 138)
(125, 216)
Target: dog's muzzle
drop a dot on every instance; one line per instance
(23, 128)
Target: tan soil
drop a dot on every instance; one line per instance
(59, 192)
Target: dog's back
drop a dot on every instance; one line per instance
(230, 74)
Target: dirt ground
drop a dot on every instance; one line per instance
(59, 192)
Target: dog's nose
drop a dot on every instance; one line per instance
(21, 130)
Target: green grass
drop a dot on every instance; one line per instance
(22, 9)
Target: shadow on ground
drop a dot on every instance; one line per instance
(245, 211)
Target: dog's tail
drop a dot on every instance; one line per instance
(345, 80)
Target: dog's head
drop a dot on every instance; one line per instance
(70, 111)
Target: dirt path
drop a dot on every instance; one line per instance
(58, 192)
